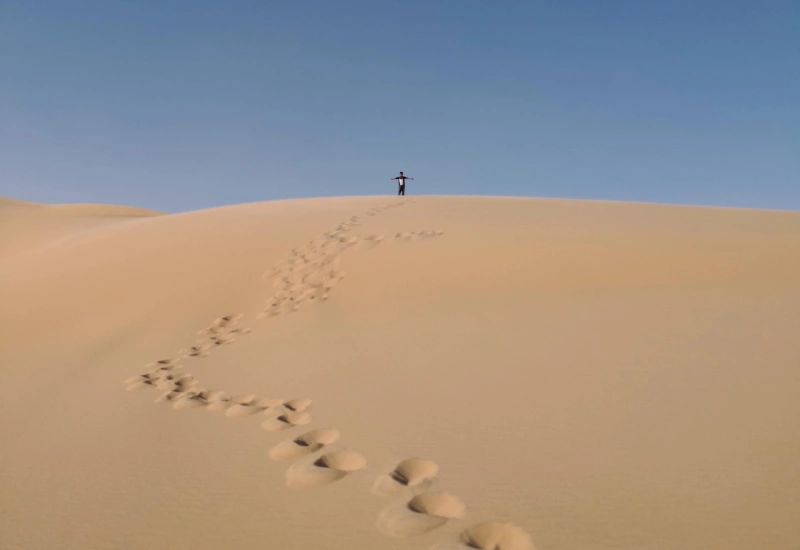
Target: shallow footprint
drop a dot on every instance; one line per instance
(306, 444)
(432, 234)
(412, 472)
(226, 320)
(371, 241)
(222, 404)
(421, 514)
(268, 402)
(328, 468)
(491, 536)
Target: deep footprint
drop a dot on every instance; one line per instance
(303, 445)
(412, 472)
(326, 469)
(420, 515)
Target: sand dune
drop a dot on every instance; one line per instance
(27, 225)
(410, 372)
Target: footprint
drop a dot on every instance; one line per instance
(165, 362)
(491, 536)
(326, 469)
(224, 339)
(315, 278)
(189, 400)
(197, 352)
(286, 421)
(243, 399)
(227, 319)
(136, 379)
(143, 384)
(239, 410)
(305, 295)
(429, 234)
(170, 365)
(268, 402)
(306, 444)
(159, 378)
(297, 405)
(172, 395)
(211, 396)
(371, 241)
(271, 312)
(331, 261)
(172, 382)
(421, 514)
(221, 405)
(347, 242)
(412, 472)
(333, 278)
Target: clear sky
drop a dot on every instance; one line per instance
(179, 105)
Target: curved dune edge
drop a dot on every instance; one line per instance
(307, 275)
(28, 227)
(78, 209)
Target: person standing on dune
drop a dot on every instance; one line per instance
(401, 181)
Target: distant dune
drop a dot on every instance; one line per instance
(27, 225)
(400, 373)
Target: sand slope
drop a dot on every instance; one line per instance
(381, 372)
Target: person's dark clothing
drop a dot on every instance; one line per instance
(401, 182)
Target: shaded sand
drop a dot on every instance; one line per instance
(397, 373)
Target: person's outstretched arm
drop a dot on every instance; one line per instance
(390, 179)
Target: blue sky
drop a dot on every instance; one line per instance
(179, 105)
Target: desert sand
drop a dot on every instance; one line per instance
(398, 373)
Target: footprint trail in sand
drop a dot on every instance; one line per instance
(307, 275)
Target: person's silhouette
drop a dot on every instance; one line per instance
(401, 181)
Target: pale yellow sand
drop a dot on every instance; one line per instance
(381, 372)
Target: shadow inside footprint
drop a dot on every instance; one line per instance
(297, 405)
(326, 469)
(421, 514)
(238, 410)
(491, 536)
(285, 421)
